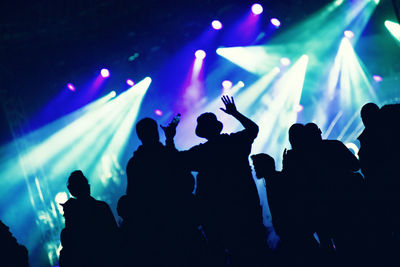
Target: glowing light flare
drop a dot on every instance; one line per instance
(112, 94)
(158, 112)
(216, 24)
(105, 73)
(257, 9)
(393, 28)
(298, 108)
(275, 22)
(227, 84)
(377, 78)
(71, 87)
(348, 34)
(240, 84)
(285, 61)
(130, 82)
(255, 59)
(200, 54)
(338, 2)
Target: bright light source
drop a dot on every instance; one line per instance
(216, 24)
(348, 34)
(158, 112)
(200, 54)
(377, 78)
(130, 82)
(105, 73)
(394, 29)
(112, 94)
(338, 2)
(285, 61)
(227, 84)
(240, 84)
(71, 87)
(275, 22)
(61, 198)
(298, 108)
(257, 9)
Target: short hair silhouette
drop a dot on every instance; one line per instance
(208, 125)
(264, 164)
(296, 135)
(369, 114)
(78, 184)
(313, 132)
(147, 131)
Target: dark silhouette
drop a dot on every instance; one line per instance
(12, 254)
(299, 243)
(230, 208)
(90, 232)
(340, 201)
(162, 222)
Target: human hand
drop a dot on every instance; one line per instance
(230, 107)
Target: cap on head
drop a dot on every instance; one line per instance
(208, 125)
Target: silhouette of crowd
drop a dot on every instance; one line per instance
(329, 207)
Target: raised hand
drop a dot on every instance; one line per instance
(229, 103)
(170, 129)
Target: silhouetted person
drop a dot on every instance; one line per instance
(279, 202)
(340, 194)
(12, 254)
(230, 206)
(298, 170)
(161, 202)
(90, 232)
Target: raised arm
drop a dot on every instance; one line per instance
(230, 108)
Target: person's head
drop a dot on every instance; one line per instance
(147, 131)
(208, 126)
(264, 165)
(370, 114)
(78, 185)
(297, 135)
(313, 133)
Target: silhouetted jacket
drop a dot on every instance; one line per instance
(225, 186)
(89, 236)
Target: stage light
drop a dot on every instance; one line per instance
(285, 61)
(298, 108)
(112, 94)
(105, 73)
(226, 84)
(377, 78)
(394, 29)
(130, 82)
(348, 34)
(200, 54)
(240, 84)
(257, 9)
(275, 22)
(216, 24)
(158, 112)
(338, 2)
(71, 87)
